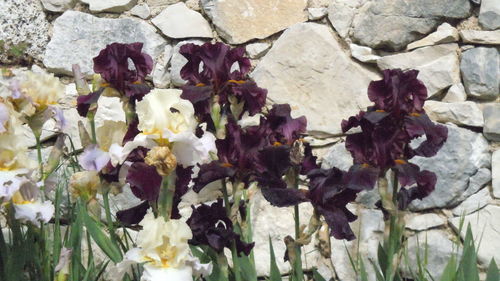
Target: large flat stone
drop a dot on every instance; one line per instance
(438, 65)
(24, 22)
(461, 157)
(375, 22)
(465, 113)
(480, 72)
(489, 14)
(445, 33)
(481, 37)
(473, 203)
(58, 5)
(79, 37)
(239, 21)
(485, 226)
(178, 21)
(307, 68)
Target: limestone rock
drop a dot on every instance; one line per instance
(112, 6)
(495, 171)
(262, 213)
(484, 225)
(239, 22)
(456, 93)
(489, 14)
(480, 72)
(473, 203)
(141, 10)
(461, 113)
(363, 54)
(375, 22)
(317, 13)
(476, 182)
(439, 251)
(257, 50)
(445, 33)
(307, 68)
(24, 22)
(460, 158)
(178, 61)
(58, 5)
(492, 121)
(341, 14)
(438, 65)
(424, 222)
(178, 21)
(79, 37)
(161, 75)
(481, 37)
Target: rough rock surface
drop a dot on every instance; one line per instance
(374, 23)
(473, 203)
(438, 65)
(481, 37)
(78, 37)
(424, 222)
(484, 225)
(178, 21)
(456, 93)
(23, 22)
(161, 75)
(492, 121)
(439, 251)
(58, 5)
(307, 68)
(463, 154)
(445, 33)
(476, 182)
(257, 50)
(341, 13)
(489, 14)
(363, 54)
(141, 10)
(113, 6)
(317, 13)
(239, 21)
(495, 171)
(480, 72)
(461, 113)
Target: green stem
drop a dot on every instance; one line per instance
(297, 268)
(234, 253)
(39, 154)
(92, 128)
(111, 226)
(167, 196)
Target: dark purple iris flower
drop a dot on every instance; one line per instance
(211, 226)
(113, 65)
(387, 128)
(330, 195)
(286, 129)
(214, 72)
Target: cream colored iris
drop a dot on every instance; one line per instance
(43, 89)
(162, 112)
(162, 248)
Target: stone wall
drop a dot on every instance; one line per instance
(319, 56)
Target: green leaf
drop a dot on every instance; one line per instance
(317, 276)
(275, 274)
(468, 265)
(493, 273)
(103, 241)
